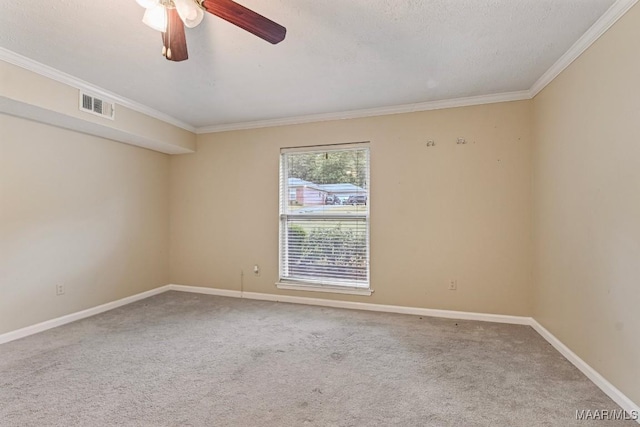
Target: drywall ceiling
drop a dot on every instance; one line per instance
(339, 55)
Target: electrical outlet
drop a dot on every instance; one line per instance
(453, 284)
(256, 270)
(59, 289)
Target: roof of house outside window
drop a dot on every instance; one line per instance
(297, 182)
(342, 188)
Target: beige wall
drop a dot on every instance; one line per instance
(86, 212)
(587, 206)
(451, 211)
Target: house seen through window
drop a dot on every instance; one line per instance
(324, 216)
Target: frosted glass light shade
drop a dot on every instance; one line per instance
(190, 13)
(147, 3)
(156, 18)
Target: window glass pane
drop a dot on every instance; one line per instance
(327, 182)
(326, 250)
(324, 207)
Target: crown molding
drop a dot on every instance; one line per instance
(381, 111)
(59, 76)
(606, 21)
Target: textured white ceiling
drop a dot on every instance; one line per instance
(338, 55)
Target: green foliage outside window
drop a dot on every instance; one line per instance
(335, 251)
(330, 168)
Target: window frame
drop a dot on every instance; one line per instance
(325, 284)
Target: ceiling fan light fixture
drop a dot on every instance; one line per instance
(170, 17)
(148, 3)
(156, 18)
(189, 12)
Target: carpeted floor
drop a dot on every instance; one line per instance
(180, 359)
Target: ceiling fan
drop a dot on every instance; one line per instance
(171, 16)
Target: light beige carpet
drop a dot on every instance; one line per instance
(181, 359)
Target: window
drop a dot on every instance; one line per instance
(324, 218)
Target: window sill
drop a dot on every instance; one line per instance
(292, 286)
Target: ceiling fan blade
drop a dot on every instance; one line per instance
(246, 19)
(174, 39)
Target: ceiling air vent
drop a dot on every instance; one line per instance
(97, 106)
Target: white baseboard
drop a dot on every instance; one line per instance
(59, 321)
(609, 389)
(461, 315)
(206, 291)
(448, 314)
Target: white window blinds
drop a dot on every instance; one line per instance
(324, 215)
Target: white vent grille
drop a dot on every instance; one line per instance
(97, 106)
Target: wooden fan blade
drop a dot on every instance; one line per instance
(174, 39)
(246, 19)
